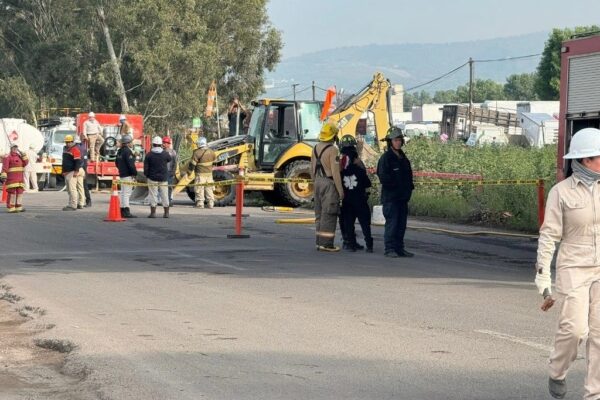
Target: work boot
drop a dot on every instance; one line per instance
(88, 203)
(391, 254)
(152, 212)
(166, 214)
(404, 253)
(127, 213)
(369, 243)
(211, 204)
(69, 208)
(199, 205)
(123, 212)
(557, 388)
(329, 248)
(358, 246)
(348, 246)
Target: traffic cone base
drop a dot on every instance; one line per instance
(114, 207)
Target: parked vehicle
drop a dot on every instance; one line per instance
(579, 93)
(19, 132)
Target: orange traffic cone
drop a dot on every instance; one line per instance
(4, 193)
(114, 207)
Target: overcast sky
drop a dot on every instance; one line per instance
(310, 25)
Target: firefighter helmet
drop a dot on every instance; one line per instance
(68, 138)
(585, 143)
(393, 133)
(328, 132)
(348, 141)
(202, 142)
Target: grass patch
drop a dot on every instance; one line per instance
(510, 206)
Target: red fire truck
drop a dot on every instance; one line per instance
(104, 170)
(579, 92)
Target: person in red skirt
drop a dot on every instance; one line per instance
(13, 167)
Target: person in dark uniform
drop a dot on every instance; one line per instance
(395, 174)
(125, 162)
(325, 168)
(355, 204)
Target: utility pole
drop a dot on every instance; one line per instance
(313, 90)
(471, 74)
(294, 87)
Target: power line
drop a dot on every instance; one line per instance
(509, 58)
(437, 79)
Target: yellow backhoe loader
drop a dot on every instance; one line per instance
(280, 139)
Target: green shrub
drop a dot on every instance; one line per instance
(510, 206)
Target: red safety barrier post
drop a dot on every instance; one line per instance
(239, 207)
(541, 204)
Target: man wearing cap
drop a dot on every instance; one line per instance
(125, 163)
(328, 187)
(81, 199)
(31, 184)
(124, 126)
(92, 132)
(201, 164)
(71, 164)
(155, 169)
(171, 167)
(396, 178)
(13, 167)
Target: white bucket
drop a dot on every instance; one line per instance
(378, 218)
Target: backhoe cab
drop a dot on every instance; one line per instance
(280, 140)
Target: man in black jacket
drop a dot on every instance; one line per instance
(395, 175)
(125, 163)
(156, 170)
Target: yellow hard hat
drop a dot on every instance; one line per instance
(68, 138)
(328, 132)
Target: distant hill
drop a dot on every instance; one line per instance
(408, 64)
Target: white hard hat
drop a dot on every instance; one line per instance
(122, 117)
(202, 142)
(585, 143)
(157, 140)
(91, 114)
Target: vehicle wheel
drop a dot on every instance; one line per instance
(52, 181)
(296, 194)
(224, 195)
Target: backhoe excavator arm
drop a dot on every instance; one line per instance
(375, 98)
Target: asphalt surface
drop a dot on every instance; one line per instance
(172, 309)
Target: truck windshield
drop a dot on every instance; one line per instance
(59, 136)
(310, 122)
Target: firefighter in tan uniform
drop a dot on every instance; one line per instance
(573, 219)
(201, 164)
(325, 167)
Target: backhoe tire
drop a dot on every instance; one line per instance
(296, 194)
(224, 195)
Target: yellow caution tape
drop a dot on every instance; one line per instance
(246, 180)
(498, 182)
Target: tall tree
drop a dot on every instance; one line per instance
(167, 53)
(520, 87)
(547, 83)
(483, 89)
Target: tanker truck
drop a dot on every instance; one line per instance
(19, 132)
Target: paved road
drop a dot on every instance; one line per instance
(171, 309)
